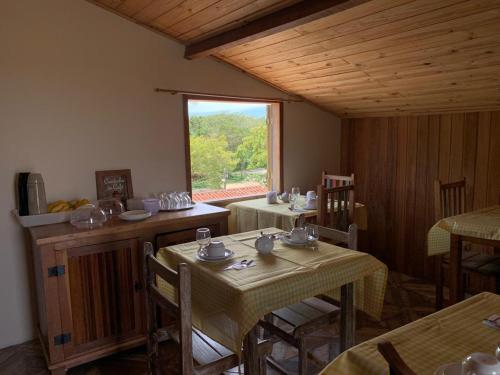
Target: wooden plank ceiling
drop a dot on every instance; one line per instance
(375, 58)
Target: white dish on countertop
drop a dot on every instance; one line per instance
(135, 215)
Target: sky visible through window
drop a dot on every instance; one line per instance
(201, 108)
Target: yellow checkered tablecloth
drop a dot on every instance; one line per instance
(257, 214)
(484, 223)
(443, 337)
(227, 304)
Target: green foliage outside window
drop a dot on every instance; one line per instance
(227, 146)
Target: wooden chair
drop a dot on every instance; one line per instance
(331, 180)
(309, 315)
(396, 364)
(450, 200)
(199, 354)
(336, 207)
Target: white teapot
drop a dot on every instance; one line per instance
(480, 364)
(264, 243)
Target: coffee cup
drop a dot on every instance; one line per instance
(311, 194)
(311, 203)
(480, 364)
(216, 249)
(272, 197)
(298, 235)
(285, 197)
(152, 205)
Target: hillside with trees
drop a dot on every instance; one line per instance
(227, 145)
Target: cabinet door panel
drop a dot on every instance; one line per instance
(103, 283)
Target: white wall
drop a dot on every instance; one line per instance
(76, 95)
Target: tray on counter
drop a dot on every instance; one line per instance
(42, 219)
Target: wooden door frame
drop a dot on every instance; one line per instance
(187, 145)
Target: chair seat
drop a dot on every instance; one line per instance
(307, 316)
(206, 350)
(491, 268)
(473, 261)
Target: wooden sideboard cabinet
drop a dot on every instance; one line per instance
(89, 282)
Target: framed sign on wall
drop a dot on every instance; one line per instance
(114, 184)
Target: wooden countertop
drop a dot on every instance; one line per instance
(52, 233)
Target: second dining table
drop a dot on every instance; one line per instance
(257, 213)
(447, 235)
(228, 304)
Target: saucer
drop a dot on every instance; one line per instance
(449, 369)
(205, 258)
(287, 240)
(135, 215)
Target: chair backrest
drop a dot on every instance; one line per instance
(396, 364)
(449, 199)
(331, 180)
(336, 207)
(181, 311)
(349, 238)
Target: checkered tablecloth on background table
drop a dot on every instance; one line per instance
(255, 214)
(484, 223)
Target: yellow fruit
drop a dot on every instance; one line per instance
(73, 203)
(62, 206)
(82, 202)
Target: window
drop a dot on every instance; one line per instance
(233, 148)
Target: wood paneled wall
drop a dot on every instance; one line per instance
(396, 160)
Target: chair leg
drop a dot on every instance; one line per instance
(439, 283)
(302, 357)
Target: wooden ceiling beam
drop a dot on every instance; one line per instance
(295, 15)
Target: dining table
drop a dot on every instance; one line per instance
(257, 213)
(227, 304)
(448, 234)
(446, 336)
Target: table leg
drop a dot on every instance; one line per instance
(456, 287)
(250, 353)
(347, 317)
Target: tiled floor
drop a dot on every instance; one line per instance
(407, 299)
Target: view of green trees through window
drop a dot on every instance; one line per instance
(228, 145)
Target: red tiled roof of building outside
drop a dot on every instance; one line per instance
(240, 191)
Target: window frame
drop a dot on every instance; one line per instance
(187, 143)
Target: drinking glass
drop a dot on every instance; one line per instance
(497, 352)
(185, 199)
(174, 200)
(294, 197)
(312, 232)
(203, 237)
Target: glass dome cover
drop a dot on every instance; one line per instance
(88, 217)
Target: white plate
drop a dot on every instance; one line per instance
(449, 369)
(287, 240)
(178, 209)
(228, 255)
(135, 215)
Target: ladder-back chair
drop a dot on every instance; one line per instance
(450, 200)
(336, 207)
(199, 355)
(331, 180)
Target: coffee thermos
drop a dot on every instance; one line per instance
(31, 192)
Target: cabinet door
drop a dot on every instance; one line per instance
(103, 295)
